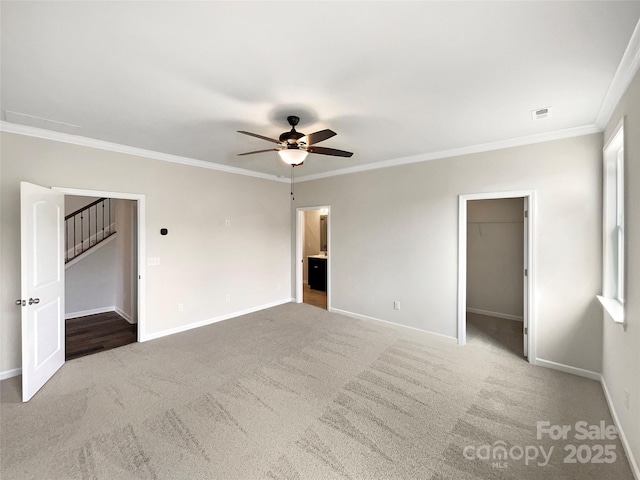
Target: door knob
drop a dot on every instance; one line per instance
(21, 303)
(34, 300)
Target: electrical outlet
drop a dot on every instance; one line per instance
(228, 297)
(396, 305)
(626, 398)
(180, 307)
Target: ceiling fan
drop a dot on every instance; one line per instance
(295, 146)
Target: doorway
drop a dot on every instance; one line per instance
(495, 262)
(313, 272)
(496, 271)
(132, 214)
(42, 279)
(100, 274)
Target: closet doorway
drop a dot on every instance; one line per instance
(496, 271)
(495, 265)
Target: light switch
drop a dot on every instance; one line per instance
(152, 261)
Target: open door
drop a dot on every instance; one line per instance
(525, 284)
(42, 218)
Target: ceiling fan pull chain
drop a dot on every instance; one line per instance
(292, 197)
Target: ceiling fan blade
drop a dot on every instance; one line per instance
(329, 151)
(318, 137)
(260, 136)
(259, 151)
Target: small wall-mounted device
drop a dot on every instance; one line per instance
(163, 231)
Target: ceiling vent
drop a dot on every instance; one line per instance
(541, 113)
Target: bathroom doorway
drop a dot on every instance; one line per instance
(312, 256)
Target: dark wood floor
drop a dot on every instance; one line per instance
(95, 333)
(316, 298)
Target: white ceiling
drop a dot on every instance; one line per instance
(393, 79)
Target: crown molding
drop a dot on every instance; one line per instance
(139, 152)
(166, 157)
(627, 69)
(485, 147)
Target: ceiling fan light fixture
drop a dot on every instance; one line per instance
(293, 156)
(293, 146)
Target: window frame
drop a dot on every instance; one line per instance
(619, 289)
(613, 219)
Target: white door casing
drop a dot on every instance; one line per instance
(525, 276)
(140, 246)
(42, 285)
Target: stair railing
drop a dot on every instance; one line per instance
(87, 227)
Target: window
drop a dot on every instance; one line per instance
(613, 224)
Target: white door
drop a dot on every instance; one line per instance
(525, 283)
(43, 329)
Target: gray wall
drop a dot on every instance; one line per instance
(73, 203)
(201, 260)
(90, 283)
(394, 237)
(495, 255)
(126, 260)
(621, 347)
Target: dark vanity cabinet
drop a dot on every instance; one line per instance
(317, 273)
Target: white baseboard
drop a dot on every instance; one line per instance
(623, 438)
(581, 372)
(365, 317)
(184, 328)
(84, 313)
(10, 373)
(124, 315)
(506, 316)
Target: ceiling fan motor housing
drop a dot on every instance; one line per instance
(292, 136)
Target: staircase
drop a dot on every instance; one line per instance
(87, 227)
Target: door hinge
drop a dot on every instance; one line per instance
(526, 272)
(526, 330)
(526, 214)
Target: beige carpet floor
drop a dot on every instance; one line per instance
(296, 392)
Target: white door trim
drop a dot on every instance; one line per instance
(529, 308)
(299, 274)
(140, 202)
